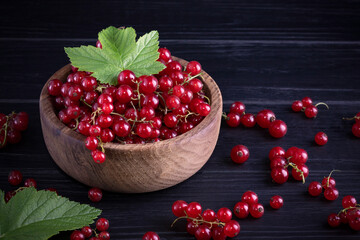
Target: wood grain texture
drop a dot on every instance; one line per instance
(132, 168)
(265, 53)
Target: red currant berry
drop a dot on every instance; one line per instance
(104, 98)
(107, 108)
(94, 130)
(278, 162)
(98, 44)
(315, 189)
(203, 233)
(98, 156)
(328, 182)
(102, 224)
(277, 129)
(250, 198)
(179, 207)
(107, 135)
(355, 224)
(187, 96)
(233, 119)
(356, 129)
(84, 127)
(151, 236)
(178, 90)
(91, 143)
(193, 68)
(209, 215)
(239, 154)
(173, 102)
(86, 231)
(241, 209)
(191, 227)
(248, 120)
(126, 77)
(297, 106)
(30, 182)
(170, 120)
(276, 202)
(144, 130)
(62, 115)
(172, 67)
(193, 209)
(21, 121)
(124, 94)
(77, 235)
(15, 177)
(195, 85)
(164, 55)
(165, 84)
(104, 235)
(148, 84)
(311, 111)
(257, 210)
(73, 112)
(275, 152)
(9, 195)
(279, 175)
(348, 201)
(334, 220)
(217, 233)
(264, 118)
(224, 215)
(331, 194)
(54, 87)
(303, 171)
(75, 93)
(306, 101)
(238, 108)
(203, 109)
(121, 128)
(13, 136)
(232, 228)
(343, 217)
(105, 120)
(95, 194)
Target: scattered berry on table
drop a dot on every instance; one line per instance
(151, 236)
(239, 154)
(276, 202)
(102, 224)
(256, 210)
(30, 182)
(321, 138)
(15, 177)
(95, 194)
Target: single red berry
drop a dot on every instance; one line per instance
(239, 154)
(104, 98)
(144, 130)
(178, 90)
(238, 108)
(276, 202)
(194, 209)
(298, 156)
(321, 138)
(105, 120)
(257, 210)
(13, 136)
(232, 228)
(177, 76)
(86, 231)
(297, 106)
(54, 87)
(91, 143)
(241, 209)
(353, 213)
(203, 233)
(209, 215)
(315, 189)
(276, 151)
(104, 235)
(107, 135)
(148, 84)
(343, 217)
(191, 227)
(95, 130)
(248, 120)
(77, 235)
(15, 177)
(187, 97)
(328, 182)
(95, 194)
(356, 129)
(173, 67)
(348, 201)
(170, 120)
(30, 182)
(179, 207)
(277, 128)
(306, 101)
(9, 195)
(233, 119)
(98, 44)
(121, 128)
(98, 156)
(173, 102)
(279, 175)
(102, 224)
(75, 92)
(126, 77)
(264, 118)
(331, 194)
(195, 85)
(124, 94)
(224, 214)
(107, 108)
(165, 83)
(217, 233)
(278, 162)
(203, 109)
(193, 68)
(164, 55)
(250, 198)
(302, 171)
(334, 220)
(355, 224)
(21, 121)
(311, 111)
(151, 236)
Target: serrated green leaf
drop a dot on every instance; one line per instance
(38, 215)
(119, 51)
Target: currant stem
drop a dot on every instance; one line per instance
(293, 165)
(225, 116)
(322, 103)
(352, 118)
(82, 100)
(166, 109)
(198, 221)
(357, 206)
(328, 178)
(77, 124)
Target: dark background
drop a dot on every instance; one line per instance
(264, 53)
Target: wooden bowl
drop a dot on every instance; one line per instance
(132, 168)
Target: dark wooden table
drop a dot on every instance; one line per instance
(264, 53)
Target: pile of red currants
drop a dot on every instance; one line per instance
(350, 214)
(137, 110)
(11, 127)
(99, 233)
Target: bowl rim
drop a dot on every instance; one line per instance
(214, 92)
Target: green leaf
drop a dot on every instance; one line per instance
(38, 215)
(119, 51)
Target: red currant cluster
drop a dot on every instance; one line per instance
(137, 110)
(328, 184)
(208, 224)
(306, 106)
(350, 214)
(100, 232)
(95, 194)
(280, 160)
(356, 127)
(265, 119)
(11, 127)
(249, 204)
(15, 178)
